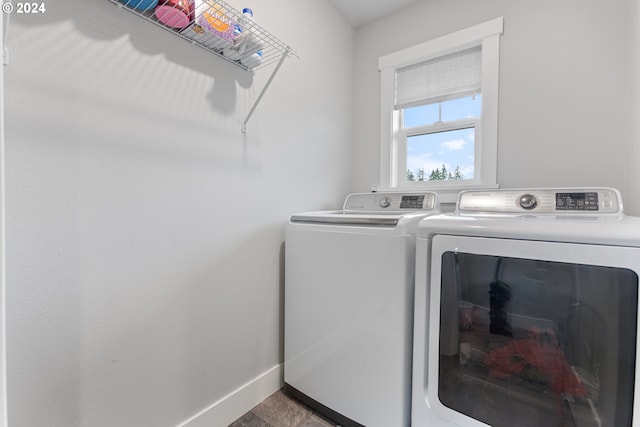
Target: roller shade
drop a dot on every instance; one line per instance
(445, 77)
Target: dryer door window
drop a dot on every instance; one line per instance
(541, 341)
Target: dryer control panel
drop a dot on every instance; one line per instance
(543, 200)
(388, 201)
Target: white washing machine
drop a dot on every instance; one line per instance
(349, 277)
(527, 311)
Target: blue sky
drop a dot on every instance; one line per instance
(451, 148)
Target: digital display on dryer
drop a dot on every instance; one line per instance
(577, 201)
(412, 202)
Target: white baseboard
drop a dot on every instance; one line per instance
(238, 402)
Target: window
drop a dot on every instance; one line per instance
(439, 111)
(440, 134)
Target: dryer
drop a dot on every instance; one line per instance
(349, 278)
(527, 311)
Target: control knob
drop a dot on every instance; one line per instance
(385, 202)
(528, 201)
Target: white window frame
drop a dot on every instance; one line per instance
(393, 148)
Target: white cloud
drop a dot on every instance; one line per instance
(423, 161)
(456, 144)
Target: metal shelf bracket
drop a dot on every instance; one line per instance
(264, 89)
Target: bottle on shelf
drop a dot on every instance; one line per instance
(245, 20)
(246, 42)
(252, 61)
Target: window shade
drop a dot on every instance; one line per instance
(437, 79)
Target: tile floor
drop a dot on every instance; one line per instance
(280, 410)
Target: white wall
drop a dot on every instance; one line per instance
(632, 202)
(144, 231)
(563, 86)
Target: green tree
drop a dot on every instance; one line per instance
(443, 174)
(457, 174)
(436, 174)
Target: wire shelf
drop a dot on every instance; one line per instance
(210, 25)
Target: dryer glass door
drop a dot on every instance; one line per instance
(543, 333)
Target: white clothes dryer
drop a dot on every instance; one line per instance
(527, 311)
(349, 278)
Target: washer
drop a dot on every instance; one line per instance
(349, 278)
(527, 309)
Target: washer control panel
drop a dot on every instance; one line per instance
(382, 202)
(543, 200)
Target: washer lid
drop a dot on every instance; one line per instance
(387, 209)
(347, 218)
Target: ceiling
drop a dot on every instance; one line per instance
(362, 12)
